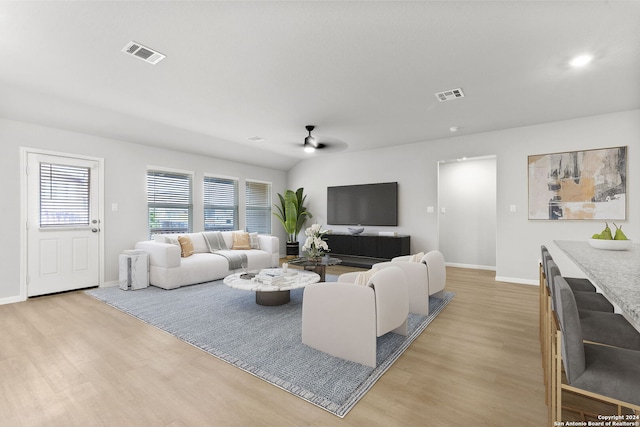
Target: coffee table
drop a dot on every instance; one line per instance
(317, 266)
(272, 294)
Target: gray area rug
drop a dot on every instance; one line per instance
(264, 341)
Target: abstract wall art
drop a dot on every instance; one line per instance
(578, 185)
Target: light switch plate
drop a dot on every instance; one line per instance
(429, 209)
(513, 208)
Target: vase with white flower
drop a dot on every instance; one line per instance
(315, 246)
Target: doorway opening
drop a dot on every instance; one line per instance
(467, 212)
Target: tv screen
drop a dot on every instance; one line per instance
(366, 204)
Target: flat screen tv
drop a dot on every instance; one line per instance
(366, 204)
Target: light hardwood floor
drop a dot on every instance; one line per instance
(70, 360)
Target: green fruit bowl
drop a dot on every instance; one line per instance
(610, 245)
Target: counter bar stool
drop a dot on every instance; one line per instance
(589, 300)
(601, 327)
(584, 299)
(575, 283)
(610, 374)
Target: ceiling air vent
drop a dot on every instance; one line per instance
(448, 95)
(143, 52)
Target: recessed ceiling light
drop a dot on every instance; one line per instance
(581, 61)
(256, 139)
(454, 129)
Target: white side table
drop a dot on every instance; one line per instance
(134, 270)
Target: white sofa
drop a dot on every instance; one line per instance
(169, 270)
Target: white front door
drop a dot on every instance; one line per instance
(63, 224)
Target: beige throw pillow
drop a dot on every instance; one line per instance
(186, 245)
(241, 241)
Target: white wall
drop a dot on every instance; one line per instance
(125, 167)
(467, 227)
(414, 166)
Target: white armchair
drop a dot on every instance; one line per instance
(436, 271)
(417, 278)
(344, 319)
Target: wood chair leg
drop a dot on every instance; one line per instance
(548, 350)
(551, 386)
(558, 375)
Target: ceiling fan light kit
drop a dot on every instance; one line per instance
(310, 142)
(581, 60)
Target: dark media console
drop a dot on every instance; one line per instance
(364, 250)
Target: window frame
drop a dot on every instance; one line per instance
(255, 208)
(69, 193)
(189, 175)
(235, 207)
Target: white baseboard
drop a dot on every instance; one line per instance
(11, 300)
(518, 280)
(471, 266)
(109, 284)
(497, 278)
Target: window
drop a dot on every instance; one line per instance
(64, 195)
(220, 204)
(258, 206)
(170, 202)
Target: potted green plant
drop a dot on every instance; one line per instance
(292, 215)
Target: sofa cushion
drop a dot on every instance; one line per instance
(199, 243)
(173, 240)
(241, 241)
(417, 257)
(254, 242)
(363, 277)
(186, 245)
(228, 237)
(214, 241)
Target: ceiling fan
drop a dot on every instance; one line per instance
(310, 142)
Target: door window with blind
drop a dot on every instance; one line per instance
(64, 195)
(258, 206)
(220, 204)
(170, 202)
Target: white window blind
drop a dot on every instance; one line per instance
(220, 204)
(64, 195)
(169, 198)
(258, 206)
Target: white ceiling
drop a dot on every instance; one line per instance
(364, 73)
